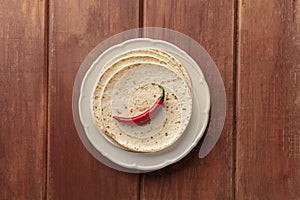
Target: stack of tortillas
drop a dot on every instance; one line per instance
(128, 86)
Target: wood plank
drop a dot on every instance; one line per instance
(211, 23)
(22, 104)
(76, 27)
(268, 118)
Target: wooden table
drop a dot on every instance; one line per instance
(255, 44)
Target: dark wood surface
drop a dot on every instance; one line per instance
(268, 101)
(255, 45)
(23, 75)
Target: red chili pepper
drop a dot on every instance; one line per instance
(147, 114)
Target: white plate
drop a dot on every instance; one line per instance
(146, 161)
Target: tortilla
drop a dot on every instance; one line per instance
(119, 97)
(111, 73)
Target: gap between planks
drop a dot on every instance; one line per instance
(235, 91)
(46, 96)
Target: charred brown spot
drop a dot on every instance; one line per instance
(96, 97)
(107, 126)
(154, 96)
(136, 65)
(183, 108)
(175, 97)
(166, 134)
(165, 122)
(151, 137)
(177, 122)
(152, 83)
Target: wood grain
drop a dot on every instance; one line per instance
(76, 27)
(268, 105)
(211, 23)
(22, 103)
(267, 109)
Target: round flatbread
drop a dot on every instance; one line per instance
(126, 61)
(121, 97)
